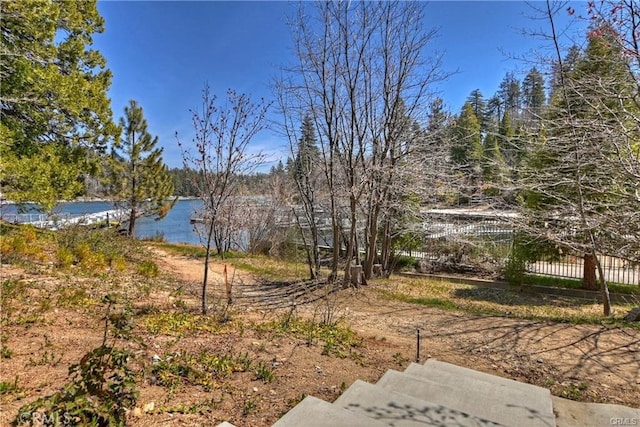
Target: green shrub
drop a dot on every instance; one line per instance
(101, 390)
(5, 352)
(65, 258)
(148, 269)
(403, 263)
(264, 373)
(7, 387)
(200, 369)
(71, 296)
(118, 262)
(526, 249)
(21, 244)
(96, 249)
(338, 340)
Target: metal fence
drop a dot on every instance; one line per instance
(478, 237)
(63, 220)
(25, 218)
(615, 270)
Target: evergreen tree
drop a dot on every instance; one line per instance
(479, 106)
(437, 117)
(507, 141)
(278, 169)
(308, 152)
(569, 64)
(533, 95)
(141, 181)
(466, 150)
(437, 134)
(494, 113)
(580, 194)
(184, 181)
(307, 171)
(494, 167)
(54, 102)
(509, 93)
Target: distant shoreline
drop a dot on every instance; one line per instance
(89, 200)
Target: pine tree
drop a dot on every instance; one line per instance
(307, 171)
(509, 93)
(569, 63)
(580, 194)
(141, 181)
(466, 151)
(479, 106)
(533, 95)
(494, 167)
(308, 154)
(436, 137)
(54, 104)
(437, 117)
(507, 142)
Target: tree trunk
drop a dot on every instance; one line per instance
(604, 288)
(313, 227)
(132, 219)
(372, 244)
(308, 251)
(335, 235)
(206, 269)
(356, 275)
(589, 280)
(351, 244)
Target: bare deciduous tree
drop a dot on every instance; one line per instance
(364, 76)
(222, 154)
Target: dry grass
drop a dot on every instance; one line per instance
(518, 303)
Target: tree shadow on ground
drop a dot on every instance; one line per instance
(552, 354)
(524, 297)
(284, 294)
(544, 351)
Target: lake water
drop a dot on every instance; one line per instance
(175, 227)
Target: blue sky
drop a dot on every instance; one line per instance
(163, 52)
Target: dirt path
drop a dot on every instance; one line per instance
(583, 362)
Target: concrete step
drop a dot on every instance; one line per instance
(441, 394)
(446, 373)
(401, 410)
(314, 412)
(580, 414)
(500, 404)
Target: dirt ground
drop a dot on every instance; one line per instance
(583, 362)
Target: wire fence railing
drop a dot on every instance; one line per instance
(489, 239)
(614, 269)
(41, 220)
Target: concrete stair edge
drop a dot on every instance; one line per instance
(437, 368)
(399, 409)
(497, 404)
(393, 403)
(570, 413)
(314, 412)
